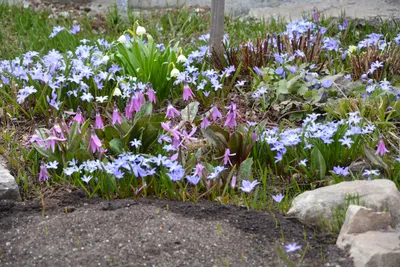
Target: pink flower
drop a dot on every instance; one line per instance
(37, 139)
(198, 170)
(95, 143)
(316, 19)
(381, 150)
(187, 93)
(174, 157)
(44, 173)
(230, 121)
(233, 181)
(215, 114)
(187, 137)
(128, 111)
(51, 142)
(152, 96)
(172, 112)
(98, 122)
(78, 117)
(56, 130)
(205, 123)
(116, 117)
(226, 156)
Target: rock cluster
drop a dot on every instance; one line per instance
(371, 228)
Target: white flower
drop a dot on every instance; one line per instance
(101, 99)
(182, 59)
(140, 30)
(122, 39)
(175, 72)
(106, 59)
(352, 49)
(117, 92)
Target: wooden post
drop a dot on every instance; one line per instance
(122, 7)
(217, 26)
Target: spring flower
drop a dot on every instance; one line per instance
(370, 172)
(52, 165)
(278, 198)
(381, 150)
(205, 123)
(226, 156)
(136, 143)
(44, 173)
(187, 93)
(140, 30)
(171, 112)
(233, 181)
(346, 141)
(75, 29)
(78, 117)
(98, 122)
(215, 114)
(341, 170)
(327, 83)
(292, 247)
(194, 180)
(198, 170)
(303, 162)
(175, 72)
(51, 142)
(94, 143)
(56, 30)
(316, 18)
(182, 59)
(248, 186)
(86, 179)
(116, 117)
(151, 95)
(117, 92)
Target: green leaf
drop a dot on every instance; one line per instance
(282, 87)
(116, 146)
(245, 169)
(145, 111)
(318, 162)
(375, 159)
(193, 109)
(111, 132)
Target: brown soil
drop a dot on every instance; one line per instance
(78, 231)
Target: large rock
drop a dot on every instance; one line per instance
(375, 249)
(360, 220)
(8, 187)
(317, 207)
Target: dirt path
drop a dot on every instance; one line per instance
(149, 232)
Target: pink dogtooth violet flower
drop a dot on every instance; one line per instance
(116, 117)
(44, 173)
(198, 170)
(51, 142)
(233, 181)
(226, 156)
(171, 112)
(98, 121)
(381, 150)
(95, 143)
(215, 114)
(205, 123)
(151, 95)
(78, 117)
(187, 92)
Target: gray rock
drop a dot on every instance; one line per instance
(318, 207)
(375, 249)
(8, 187)
(360, 220)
